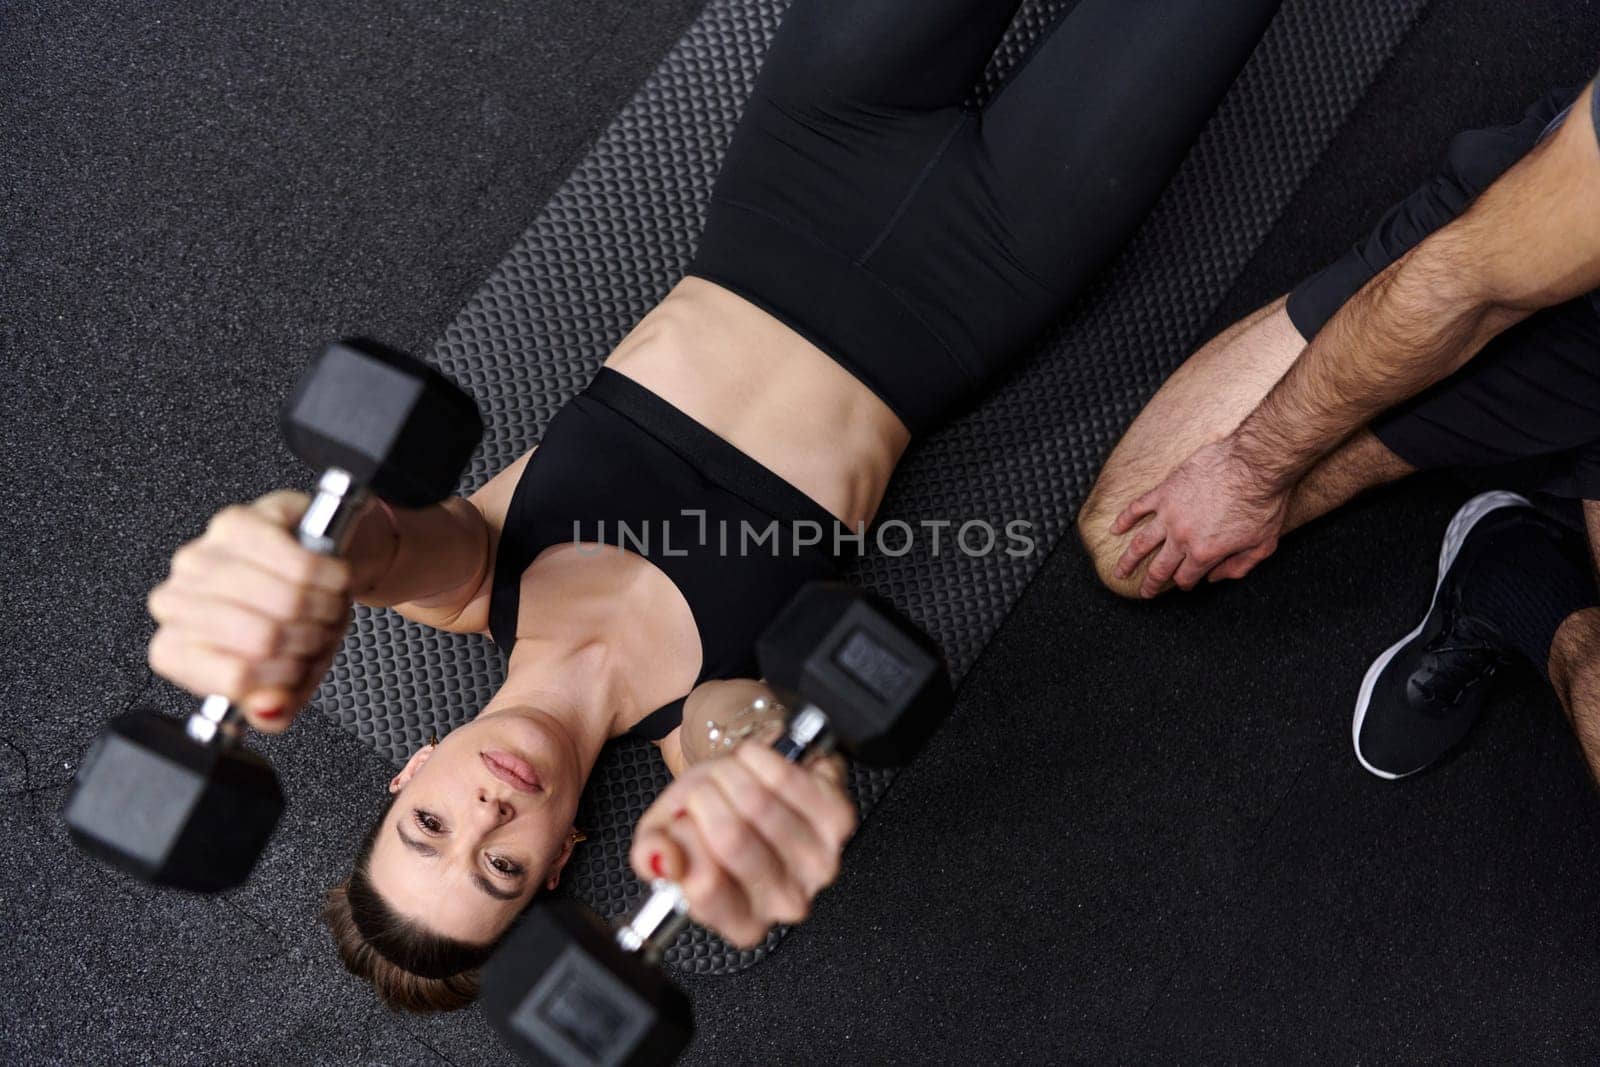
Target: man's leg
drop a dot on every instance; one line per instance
(1213, 392)
(1203, 401)
(1514, 586)
(1575, 674)
(1574, 663)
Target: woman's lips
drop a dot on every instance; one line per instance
(514, 771)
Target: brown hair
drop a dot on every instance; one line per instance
(410, 967)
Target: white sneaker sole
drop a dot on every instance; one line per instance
(1454, 536)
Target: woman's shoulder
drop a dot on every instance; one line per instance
(493, 498)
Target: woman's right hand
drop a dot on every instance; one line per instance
(249, 614)
(750, 837)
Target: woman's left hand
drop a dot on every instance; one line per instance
(751, 838)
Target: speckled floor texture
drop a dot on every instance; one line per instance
(1141, 839)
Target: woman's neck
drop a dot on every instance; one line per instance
(574, 682)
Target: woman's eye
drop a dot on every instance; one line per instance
(505, 866)
(428, 822)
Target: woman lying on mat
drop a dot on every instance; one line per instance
(876, 253)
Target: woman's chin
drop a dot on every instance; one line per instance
(531, 735)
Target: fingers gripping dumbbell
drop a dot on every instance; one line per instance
(567, 989)
(181, 803)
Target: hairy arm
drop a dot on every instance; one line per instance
(434, 565)
(1530, 241)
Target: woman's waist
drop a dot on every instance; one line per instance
(768, 392)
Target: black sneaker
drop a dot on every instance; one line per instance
(1423, 694)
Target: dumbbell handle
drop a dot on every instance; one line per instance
(654, 927)
(323, 529)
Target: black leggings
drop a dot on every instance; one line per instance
(922, 242)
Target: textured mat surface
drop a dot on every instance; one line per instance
(615, 237)
(1141, 839)
(192, 200)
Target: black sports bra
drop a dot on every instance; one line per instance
(619, 466)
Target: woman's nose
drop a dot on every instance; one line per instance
(502, 809)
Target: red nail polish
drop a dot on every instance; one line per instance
(269, 713)
(657, 868)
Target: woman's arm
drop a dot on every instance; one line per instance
(434, 565)
(249, 613)
(750, 837)
(672, 753)
(717, 715)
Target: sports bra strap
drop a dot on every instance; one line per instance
(661, 722)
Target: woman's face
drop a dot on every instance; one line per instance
(479, 823)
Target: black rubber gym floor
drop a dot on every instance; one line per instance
(1142, 837)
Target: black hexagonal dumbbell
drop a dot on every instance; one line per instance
(181, 803)
(565, 988)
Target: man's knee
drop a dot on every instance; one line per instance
(1574, 658)
(1105, 548)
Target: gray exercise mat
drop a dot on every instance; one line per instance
(616, 237)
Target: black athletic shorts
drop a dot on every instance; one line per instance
(922, 240)
(1531, 398)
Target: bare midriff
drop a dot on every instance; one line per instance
(769, 392)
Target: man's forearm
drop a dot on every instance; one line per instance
(1409, 327)
(1530, 241)
(428, 555)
